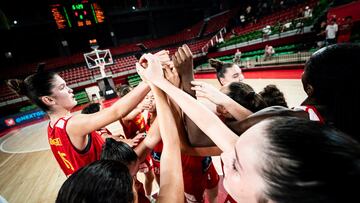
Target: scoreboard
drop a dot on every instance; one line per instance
(76, 14)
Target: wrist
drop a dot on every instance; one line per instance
(226, 101)
(187, 77)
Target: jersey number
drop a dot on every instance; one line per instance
(66, 162)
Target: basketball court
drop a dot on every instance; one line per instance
(29, 173)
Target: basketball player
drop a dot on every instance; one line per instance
(72, 138)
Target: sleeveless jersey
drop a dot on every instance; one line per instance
(199, 174)
(138, 124)
(68, 157)
(314, 114)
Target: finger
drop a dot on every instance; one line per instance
(152, 60)
(174, 71)
(168, 72)
(198, 89)
(139, 68)
(178, 58)
(143, 61)
(175, 61)
(187, 50)
(148, 57)
(182, 54)
(197, 83)
(164, 59)
(200, 94)
(160, 53)
(171, 64)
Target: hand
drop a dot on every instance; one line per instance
(151, 69)
(129, 142)
(208, 91)
(172, 76)
(132, 142)
(164, 58)
(183, 62)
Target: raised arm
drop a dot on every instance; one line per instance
(183, 62)
(82, 124)
(171, 178)
(241, 126)
(172, 76)
(150, 141)
(207, 121)
(208, 91)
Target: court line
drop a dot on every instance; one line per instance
(22, 152)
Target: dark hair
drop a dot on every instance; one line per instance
(333, 73)
(118, 151)
(309, 163)
(34, 86)
(101, 181)
(91, 108)
(220, 67)
(245, 95)
(273, 96)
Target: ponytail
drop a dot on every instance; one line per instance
(18, 86)
(217, 64)
(220, 67)
(34, 86)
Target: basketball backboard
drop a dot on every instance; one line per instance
(98, 58)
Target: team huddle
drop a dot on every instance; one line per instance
(173, 124)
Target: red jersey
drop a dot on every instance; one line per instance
(68, 157)
(314, 114)
(199, 173)
(155, 156)
(141, 192)
(138, 124)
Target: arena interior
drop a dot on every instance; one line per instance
(75, 37)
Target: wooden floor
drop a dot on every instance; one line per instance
(29, 173)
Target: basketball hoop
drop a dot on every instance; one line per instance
(101, 64)
(98, 59)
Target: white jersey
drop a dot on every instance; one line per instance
(331, 31)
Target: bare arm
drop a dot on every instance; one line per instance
(132, 114)
(211, 93)
(82, 124)
(150, 141)
(183, 136)
(171, 179)
(183, 62)
(241, 126)
(172, 76)
(212, 126)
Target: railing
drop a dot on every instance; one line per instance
(261, 61)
